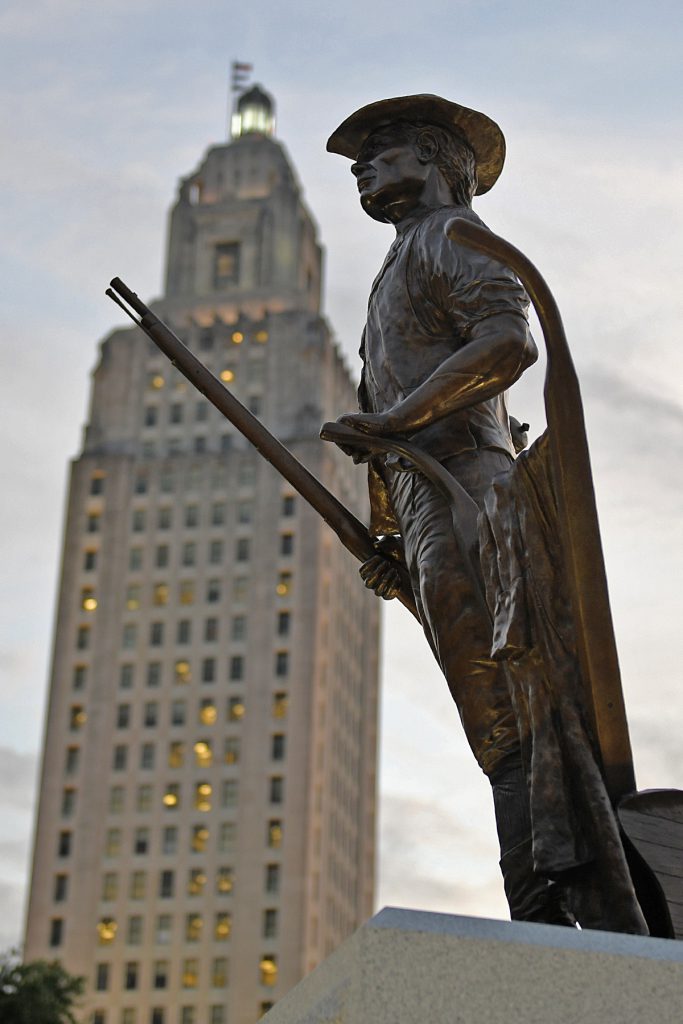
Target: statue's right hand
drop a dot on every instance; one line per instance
(381, 575)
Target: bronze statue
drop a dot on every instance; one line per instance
(446, 335)
(498, 556)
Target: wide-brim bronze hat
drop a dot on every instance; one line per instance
(482, 133)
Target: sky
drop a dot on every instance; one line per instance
(107, 105)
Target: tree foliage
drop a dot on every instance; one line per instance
(39, 992)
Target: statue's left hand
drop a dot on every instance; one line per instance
(375, 423)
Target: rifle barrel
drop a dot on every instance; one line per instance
(351, 532)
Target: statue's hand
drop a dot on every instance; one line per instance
(375, 423)
(381, 575)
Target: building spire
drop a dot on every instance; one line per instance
(253, 109)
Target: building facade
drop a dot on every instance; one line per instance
(206, 824)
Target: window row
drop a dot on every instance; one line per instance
(219, 928)
(196, 884)
(191, 516)
(131, 979)
(203, 794)
(204, 752)
(191, 478)
(161, 1015)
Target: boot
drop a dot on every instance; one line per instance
(531, 897)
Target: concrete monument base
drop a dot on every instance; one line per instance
(412, 967)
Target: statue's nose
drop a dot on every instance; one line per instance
(357, 169)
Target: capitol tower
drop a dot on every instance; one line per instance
(206, 825)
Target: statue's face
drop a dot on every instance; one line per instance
(390, 176)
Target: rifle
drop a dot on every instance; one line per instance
(350, 531)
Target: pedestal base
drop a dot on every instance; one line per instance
(412, 967)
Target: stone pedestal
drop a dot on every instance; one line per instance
(412, 967)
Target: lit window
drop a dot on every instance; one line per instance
(284, 583)
(160, 594)
(60, 888)
(261, 337)
(112, 842)
(226, 266)
(156, 381)
(200, 838)
(227, 375)
(274, 837)
(144, 798)
(236, 670)
(132, 597)
(237, 337)
(77, 717)
(196, 881)
(203, 754)
(268, 970)
(269, 923)
(141, 840)
(276, 789)
(280, 704)
(190, 973)
(202, 796)
(171, 797)
(232, 750)
(193, 927)
(229, 790)
(235, 709)
(162, 930)
(106, 930)
(183, 672)
(64, 844)
(176, 754)
(187, 592)
(207, 711)
(222, 926)
(130, 636)
(224, 880)
(136, 889)
(219, 972)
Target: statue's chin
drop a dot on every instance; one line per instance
(375, 208)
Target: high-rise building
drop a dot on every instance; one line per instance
(205, 833)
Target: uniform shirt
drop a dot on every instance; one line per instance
(424, 303)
